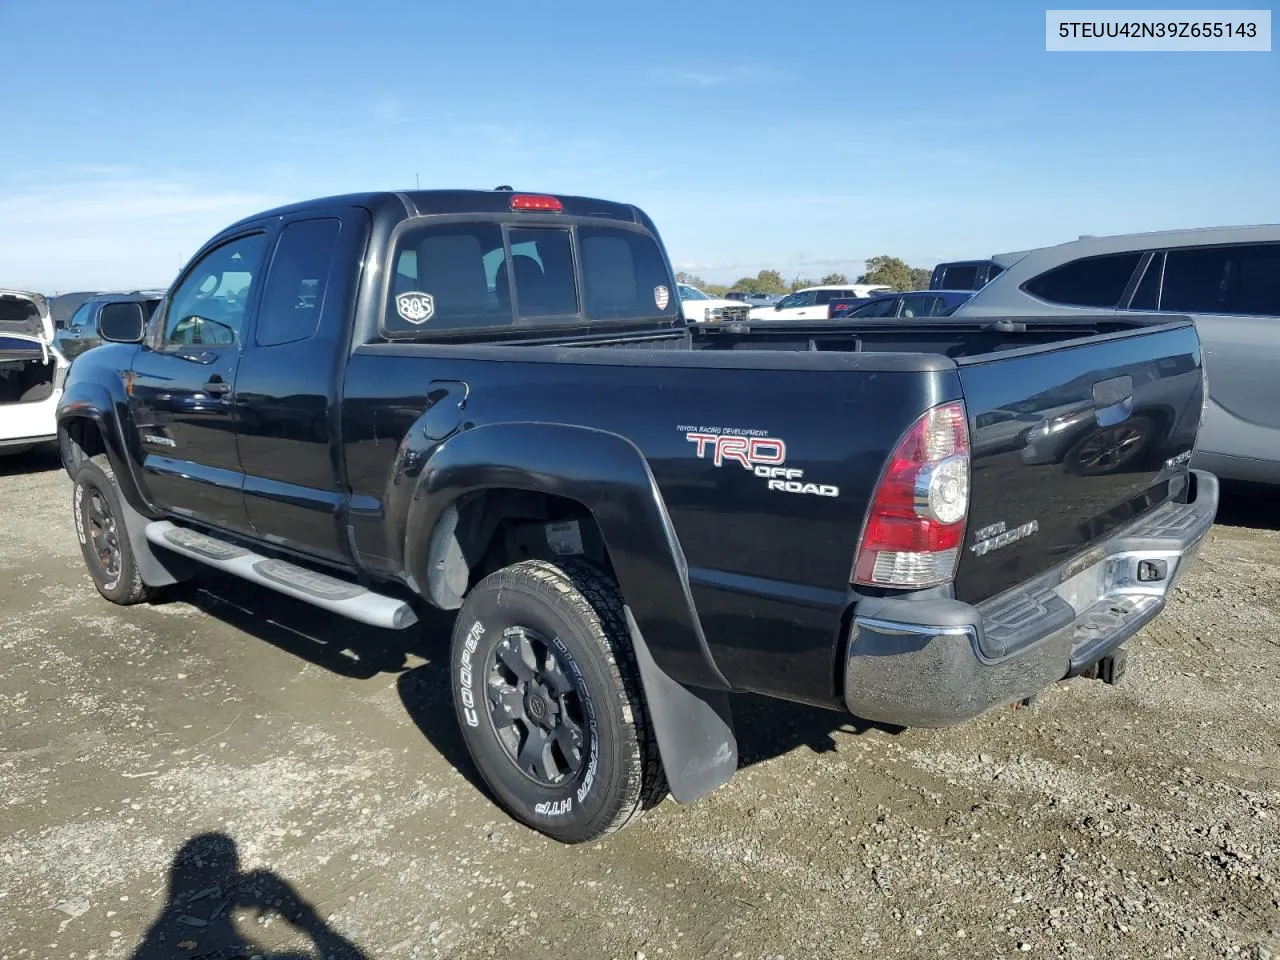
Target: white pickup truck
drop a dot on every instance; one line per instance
(697, 307)
(32, 372)
(814, 303)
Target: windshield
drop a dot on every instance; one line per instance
(691, 293)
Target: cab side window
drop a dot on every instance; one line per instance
(297, 282)
(209, 306)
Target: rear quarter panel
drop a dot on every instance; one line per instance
(769, 569)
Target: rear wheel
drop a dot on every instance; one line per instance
(103, 538)
(549, 700)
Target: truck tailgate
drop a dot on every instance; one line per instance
(1071, 443)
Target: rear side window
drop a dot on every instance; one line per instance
(294, 294)
(920, 306)
(1242, 279)
(1147, 296)
(878, 308)
(1087, 282)
(959, 278)
(624, 276)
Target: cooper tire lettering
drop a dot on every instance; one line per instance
(560, 731)
(466, 675)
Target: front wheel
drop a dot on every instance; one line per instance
(104, 541)
(549, 700)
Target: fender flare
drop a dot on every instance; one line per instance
(83, 400)
(686, 692)
(93, 402)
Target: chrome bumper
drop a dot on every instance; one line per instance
(935, 663)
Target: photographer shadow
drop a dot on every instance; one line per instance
(207, 887)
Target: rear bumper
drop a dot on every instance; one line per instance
(940, 662)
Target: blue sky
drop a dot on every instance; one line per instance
(806, 136)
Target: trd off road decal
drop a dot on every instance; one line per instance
(754, 450)
(416, 306)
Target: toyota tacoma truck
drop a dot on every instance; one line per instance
(488, 402)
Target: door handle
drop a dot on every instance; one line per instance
(217, 386)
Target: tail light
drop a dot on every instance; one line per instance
(529, 201)
(915, 525)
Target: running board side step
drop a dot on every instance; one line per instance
(338, 596)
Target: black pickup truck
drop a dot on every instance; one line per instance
(487, 401)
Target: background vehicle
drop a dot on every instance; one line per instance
(919, 303)
(64, 305)
(80, 332)
(1227, 279)
(754, 299)
(697, 307)
(488, 402)
(31, 372)
(813, 303)
(965, 274)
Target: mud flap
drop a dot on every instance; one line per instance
(694, 727)
(157, 568)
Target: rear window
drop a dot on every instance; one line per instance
(463, 276)
(1087, 282)
(624, 276)
(17, 310)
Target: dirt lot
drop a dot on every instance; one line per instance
(230, 770)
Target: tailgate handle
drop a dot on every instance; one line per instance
(1113, 400)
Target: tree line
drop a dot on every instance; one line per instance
(890, 271)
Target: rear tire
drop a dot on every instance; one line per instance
(104, 541)
(549, 700)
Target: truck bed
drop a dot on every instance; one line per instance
(770, 571)
(1043, 453)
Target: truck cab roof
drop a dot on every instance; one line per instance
(421, 203)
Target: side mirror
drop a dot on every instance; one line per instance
(121, 323)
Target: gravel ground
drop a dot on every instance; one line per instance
(231, 774)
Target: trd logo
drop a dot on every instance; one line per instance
(748, 451)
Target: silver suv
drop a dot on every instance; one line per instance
(1226, 278)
